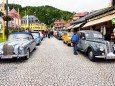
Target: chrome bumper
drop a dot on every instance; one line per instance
(11, 56)
(108, 56)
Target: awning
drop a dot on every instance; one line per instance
(77, 25)
(101, 20)
(70, 27)
(79, 20)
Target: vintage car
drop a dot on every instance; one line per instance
(19, 44)
(36, 36)
(67, 38)
(93, 43)
(41, 35)
(60, 34)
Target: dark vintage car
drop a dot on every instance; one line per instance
(19, 44)
(93, 43)
(60, 34)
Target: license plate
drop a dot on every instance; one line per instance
(6, 57)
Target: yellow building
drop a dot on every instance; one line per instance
(34, 26)
(32, 23)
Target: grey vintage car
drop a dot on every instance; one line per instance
(93, 43)
(19, 44)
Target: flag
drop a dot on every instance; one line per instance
(18, 17)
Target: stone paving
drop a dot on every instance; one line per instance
(53, 64)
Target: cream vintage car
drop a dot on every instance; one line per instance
(19, 44)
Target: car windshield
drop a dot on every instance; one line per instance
(35, 34)
(94, 36)
(19, 36)
(69, 34)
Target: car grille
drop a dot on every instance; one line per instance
(8, 49)
(109, 48)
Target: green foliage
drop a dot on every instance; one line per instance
(45, 14)
(16, 31)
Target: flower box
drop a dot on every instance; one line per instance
(7, 18)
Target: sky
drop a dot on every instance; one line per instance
(67, 5)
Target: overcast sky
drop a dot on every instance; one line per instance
(68, 5)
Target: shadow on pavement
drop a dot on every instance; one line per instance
(14, 60)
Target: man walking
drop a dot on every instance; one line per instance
(75, 41)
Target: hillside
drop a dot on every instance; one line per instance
(46, 14)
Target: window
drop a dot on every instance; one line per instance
(82, 36)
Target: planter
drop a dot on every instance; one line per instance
(1, 14)
(7, 18)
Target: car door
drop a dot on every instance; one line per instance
(82, 42)
(33, 42)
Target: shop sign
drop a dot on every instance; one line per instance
(113, 21)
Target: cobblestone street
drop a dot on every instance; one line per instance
(53, 64)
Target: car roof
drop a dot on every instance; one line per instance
(89, 31)
(22, 33)
(34, 32)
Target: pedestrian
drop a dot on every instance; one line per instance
(49, 33)
(46, 33)
(75, 41)
(114, 34)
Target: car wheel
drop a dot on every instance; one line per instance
(38, 44)
(91, 55)
(68, 44)
(28, 54)
(35, 48)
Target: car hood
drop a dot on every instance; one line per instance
(69, 37)
(97, 40)
(15, 43)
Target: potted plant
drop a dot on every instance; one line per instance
(1, 14)
(7, 18)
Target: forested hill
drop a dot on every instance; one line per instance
(46, 14)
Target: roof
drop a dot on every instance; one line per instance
(81, 14)
(31, 17)
(99, 12)
(59, 21)
(93, 14)
(13, 13)
(83, 19)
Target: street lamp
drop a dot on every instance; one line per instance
(7, 20)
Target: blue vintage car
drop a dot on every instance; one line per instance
(93, 43)
(19, 44)
(36, 36)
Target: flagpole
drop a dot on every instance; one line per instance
(7, 20)
(18, 20)
(3, 23)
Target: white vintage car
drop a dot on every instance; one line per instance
(19, 44)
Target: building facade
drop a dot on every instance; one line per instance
(31, 22)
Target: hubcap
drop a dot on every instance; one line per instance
(90, 54)
(28, 54)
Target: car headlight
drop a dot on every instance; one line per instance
(114, 47)
(101, 48)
